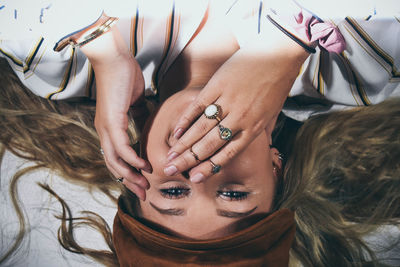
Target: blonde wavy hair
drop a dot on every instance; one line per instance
(342, 177)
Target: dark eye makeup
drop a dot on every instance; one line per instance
(233, 195)
(177, 192)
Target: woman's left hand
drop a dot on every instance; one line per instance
(250, 89)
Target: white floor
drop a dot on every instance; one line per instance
(41, 248)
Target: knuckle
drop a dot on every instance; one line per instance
(202, 126)
(185, 120)
(181, 144)
(231, 153)
(258, 127)
(214, 143)
(244, 115)
(199, 104)
(185, 161)
(113, 162)
(208, 147)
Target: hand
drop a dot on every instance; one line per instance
(120, 83)
(250, 88)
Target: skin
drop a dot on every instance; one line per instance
(120, 84)
(187, 208)
(232, 77)
(250, 85)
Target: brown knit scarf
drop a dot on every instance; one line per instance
(265, 243)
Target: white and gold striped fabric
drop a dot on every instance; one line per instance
(156, 32)
(367, 72)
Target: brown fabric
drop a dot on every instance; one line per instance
(266, 243)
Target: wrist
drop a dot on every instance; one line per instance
(79, 39)
(109, 49)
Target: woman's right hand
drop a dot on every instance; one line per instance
(120, 83)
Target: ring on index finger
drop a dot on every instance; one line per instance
(213, 111)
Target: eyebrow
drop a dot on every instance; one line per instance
(233, 214)
(222, 213)
(173, 212)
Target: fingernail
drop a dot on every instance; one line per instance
(197, 178)
(170, 170)
(147, 185)
(171, 156)
(178, 133)
(148, 169)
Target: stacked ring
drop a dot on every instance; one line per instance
(213, 111)
(101, 151)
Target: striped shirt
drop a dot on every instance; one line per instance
(367, 72)
(156, 32)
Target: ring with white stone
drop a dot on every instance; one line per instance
(213, 111)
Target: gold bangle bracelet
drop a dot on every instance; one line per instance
(79, 39)
(103, 28)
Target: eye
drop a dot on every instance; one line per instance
(175, 192)
(232, 195)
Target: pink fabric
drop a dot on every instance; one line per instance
(324, 34)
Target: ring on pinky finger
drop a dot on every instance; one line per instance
(215, 168)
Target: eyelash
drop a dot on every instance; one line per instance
(233, 195)
(180, 192)
(175, 192)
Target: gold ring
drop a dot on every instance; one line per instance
(195, 155)
(213, 111)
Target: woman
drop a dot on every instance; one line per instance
(156, 39)
(206, 164)
(327, 81)
(345, 151)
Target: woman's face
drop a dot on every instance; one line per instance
(242, 189)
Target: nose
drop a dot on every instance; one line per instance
(202, 218)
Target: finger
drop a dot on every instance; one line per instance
(120, 141)
(203, 149)
(119, 168)
(111, 169)
(194, 110)
(204, 170)
(136, 189)
(133, 177)
(199, 129)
